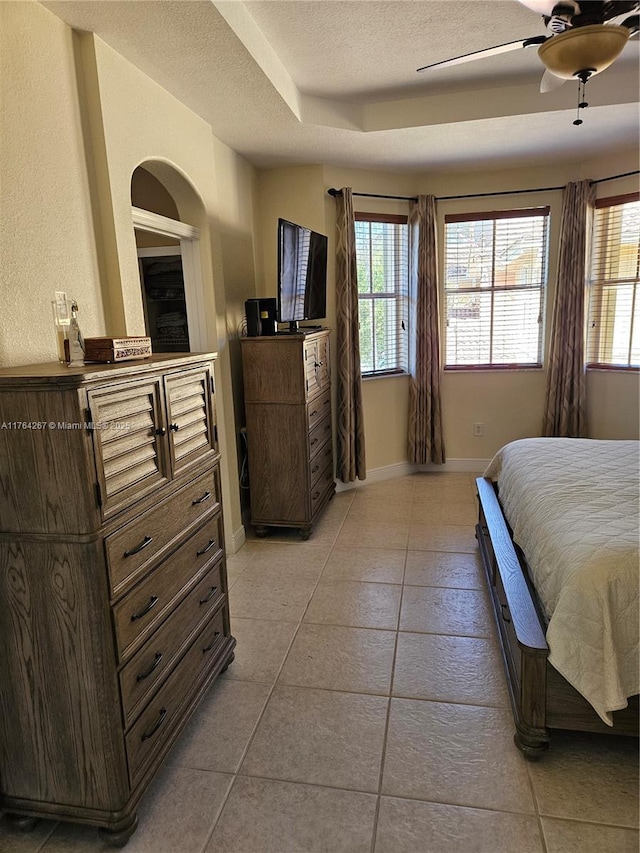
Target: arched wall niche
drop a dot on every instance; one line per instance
(149, 193)
(161, 188)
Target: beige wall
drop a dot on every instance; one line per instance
(46, 222)
(82, 119)
(509, 404)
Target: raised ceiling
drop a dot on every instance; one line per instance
(326, 81)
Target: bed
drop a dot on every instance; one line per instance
(558, 534)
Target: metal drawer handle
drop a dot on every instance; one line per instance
(155, 663)
(161, 431)
(147, 735)
(319, 364)
(201, 500)
(146, 541)
(315, 468)
(313, 413)
(208, 597)
(315, 495)
(206, 548)
(174, 427)
(505, 613)
(212, 643)
(315, 441)
(152, 603)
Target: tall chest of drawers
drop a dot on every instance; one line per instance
(287, 394)
(114, 616)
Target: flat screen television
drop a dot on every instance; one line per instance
(302, 274)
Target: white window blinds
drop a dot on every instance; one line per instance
(495, 282)
(383, 279)
(613, 334)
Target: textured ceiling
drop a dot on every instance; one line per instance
(327, 81)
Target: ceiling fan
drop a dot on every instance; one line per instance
(586, 36)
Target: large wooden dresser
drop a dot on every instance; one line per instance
(287, 395)
(113, 594)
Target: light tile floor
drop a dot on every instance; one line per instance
(366, 709)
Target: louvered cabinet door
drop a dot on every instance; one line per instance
(129, 441)
(190, 418)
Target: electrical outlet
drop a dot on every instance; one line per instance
(478, 429)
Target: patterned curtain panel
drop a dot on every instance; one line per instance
(565, 404)
(350, 421)
(426, 442)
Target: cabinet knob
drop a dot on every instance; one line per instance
(174, 427)
(161, 431)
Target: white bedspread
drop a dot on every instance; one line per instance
(574, 510)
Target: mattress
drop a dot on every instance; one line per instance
(573, 506)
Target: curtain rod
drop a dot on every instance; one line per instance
(334, 192)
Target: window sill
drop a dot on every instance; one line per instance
(493, 368)
(366, 377)
(612, 368)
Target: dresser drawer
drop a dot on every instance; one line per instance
(133, 549)
(142, 609)
(319, 408)
(151, 664)
(150, 731)
(318, 435)
(320, 461)
(319, 490)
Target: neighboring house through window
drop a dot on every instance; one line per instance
(494, 288)
(383, 283)
(613, 333)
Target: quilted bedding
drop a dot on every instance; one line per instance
(573, 506)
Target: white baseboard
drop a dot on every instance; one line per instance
(239, 538)
(461, 466)
(403, 469)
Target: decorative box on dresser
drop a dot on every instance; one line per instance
(287, 394)
(114, 616)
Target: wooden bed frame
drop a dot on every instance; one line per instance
(540, 697)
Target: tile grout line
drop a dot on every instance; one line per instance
(536, 806)
(245, 751)
(376, 815)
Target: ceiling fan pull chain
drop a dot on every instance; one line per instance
(582, 104)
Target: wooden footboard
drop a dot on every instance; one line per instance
(540, 697)
(524, 648)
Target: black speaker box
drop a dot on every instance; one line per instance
(261, 317)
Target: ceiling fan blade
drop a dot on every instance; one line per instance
(550, 82)
(632, 24)
(542, 7)
(616, 8)
(483, 54)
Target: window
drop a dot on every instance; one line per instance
(495, 280)
(613, 337)
(383, 283)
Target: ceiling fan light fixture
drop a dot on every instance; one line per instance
(593, 48)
